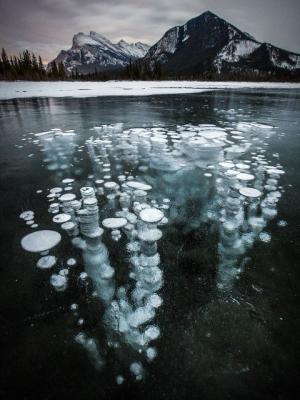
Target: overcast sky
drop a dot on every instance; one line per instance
(47, 26)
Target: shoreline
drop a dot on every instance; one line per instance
(82, 89)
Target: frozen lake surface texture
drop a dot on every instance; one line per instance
(11, 90)
(149, 244)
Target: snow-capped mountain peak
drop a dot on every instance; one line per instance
(209, 44)
(204, 45)
(93, 51)
(81, 39)
(134, 50)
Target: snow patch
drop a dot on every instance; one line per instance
(235, 50)
(292, 63)
(26, 89)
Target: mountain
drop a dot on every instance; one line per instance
(209, 44)
(95, 52)
(204, 47)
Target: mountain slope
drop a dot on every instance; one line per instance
(207, 44)
(95, 52)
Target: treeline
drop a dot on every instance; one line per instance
(137, 70)
(27, 66)
(143, 70)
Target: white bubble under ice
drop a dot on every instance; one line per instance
(151, 353)
(114, 223)
(40, 241)
(151, 215)
(120, 379)
(265, 237)
(59, 282)
(46, 262)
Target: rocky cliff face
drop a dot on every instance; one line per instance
(95, 52)
(203, 45)
(208, 43)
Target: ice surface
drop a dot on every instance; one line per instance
(146, 177)
(10, 90)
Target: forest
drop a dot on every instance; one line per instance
(28, 66)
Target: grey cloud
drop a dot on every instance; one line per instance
(46, 26)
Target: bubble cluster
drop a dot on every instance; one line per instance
(140, 181)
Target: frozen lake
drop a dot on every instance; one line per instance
(191, 290)
(27, 89)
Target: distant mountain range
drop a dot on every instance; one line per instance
(204, 45)
(95, 52)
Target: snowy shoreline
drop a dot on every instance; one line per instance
(25, 89)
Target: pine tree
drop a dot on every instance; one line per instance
(26, 64)
(157, 70)
(61, 71)
(54, 70)
(5, 65)
(41, 69)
